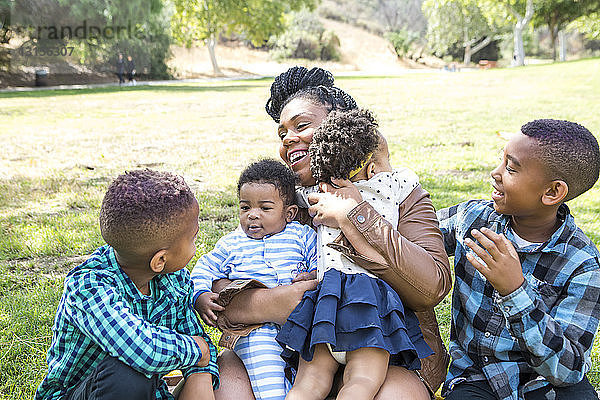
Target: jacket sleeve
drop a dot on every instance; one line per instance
(417, 266)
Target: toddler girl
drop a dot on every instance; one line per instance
(352, 317)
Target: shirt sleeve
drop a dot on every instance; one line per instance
(210, 267)
(101, 313)
(557, 340)
(448, 218)
(310, 239)
(189, 324)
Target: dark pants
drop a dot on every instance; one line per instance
(113, 380)
(481, 390)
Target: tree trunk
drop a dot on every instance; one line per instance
(562, 43)
(552, 30)
(487, 40)
(210, 44)
(522, 22)
(467, 58)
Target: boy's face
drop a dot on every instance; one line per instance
(183, 248)
(262, 210)
(520, 180)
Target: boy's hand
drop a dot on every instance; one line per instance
(305, 276)
(206, 305)
(204, 349)
(501, 262)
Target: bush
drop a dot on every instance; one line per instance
(305, 38)
(401, 40)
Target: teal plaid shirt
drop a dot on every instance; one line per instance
(102, 313)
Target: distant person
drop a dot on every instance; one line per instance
(131, 70)
(121, 68)
(526, 299)
(268, 246)
(125, 318)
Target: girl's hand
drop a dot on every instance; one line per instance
(331, 207)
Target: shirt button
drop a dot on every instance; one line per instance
(487, 334)
(360, 219)
(485, 358)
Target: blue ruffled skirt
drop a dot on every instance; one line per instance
(351, 311)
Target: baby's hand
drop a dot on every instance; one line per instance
(305, 276)
(206, 305)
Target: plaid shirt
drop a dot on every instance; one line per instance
(102, 313)
(542, 332)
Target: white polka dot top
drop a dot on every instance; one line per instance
(385, 192)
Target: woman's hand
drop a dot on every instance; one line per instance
(331, 207)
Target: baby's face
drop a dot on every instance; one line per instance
(262, 210)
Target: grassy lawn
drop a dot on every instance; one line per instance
(61, 148)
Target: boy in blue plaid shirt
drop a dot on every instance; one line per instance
(526, 299)
(125, 318)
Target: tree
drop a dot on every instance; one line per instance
(205, 20)
(517, 13)
(557, 14)
(589, 25)
(400, 15)
(468, 26)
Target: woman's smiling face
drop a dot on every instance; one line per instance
(298, 121)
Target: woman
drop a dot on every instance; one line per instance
(410, 257)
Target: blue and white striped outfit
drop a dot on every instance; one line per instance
(273, 260)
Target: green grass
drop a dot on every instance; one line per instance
(60, 149)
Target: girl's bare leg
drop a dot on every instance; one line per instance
(365, 372)
(314, 378)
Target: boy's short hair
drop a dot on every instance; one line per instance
(342, 143)
(141, 211)
(569, 151)
(272, 172)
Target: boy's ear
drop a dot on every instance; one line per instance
(290, 213)
(158, 261)
(555, 193)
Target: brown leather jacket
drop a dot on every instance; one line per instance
(417, 268)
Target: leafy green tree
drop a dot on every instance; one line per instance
(205, 20)
(515, 13)
(557, 14)
(589, 25)
(457, 21)
(97, 30)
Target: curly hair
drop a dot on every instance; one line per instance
(142, 208)
(315, 85)
(568, 150)
(272, 172)
(342, 143)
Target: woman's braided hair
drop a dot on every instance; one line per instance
(315, 84)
